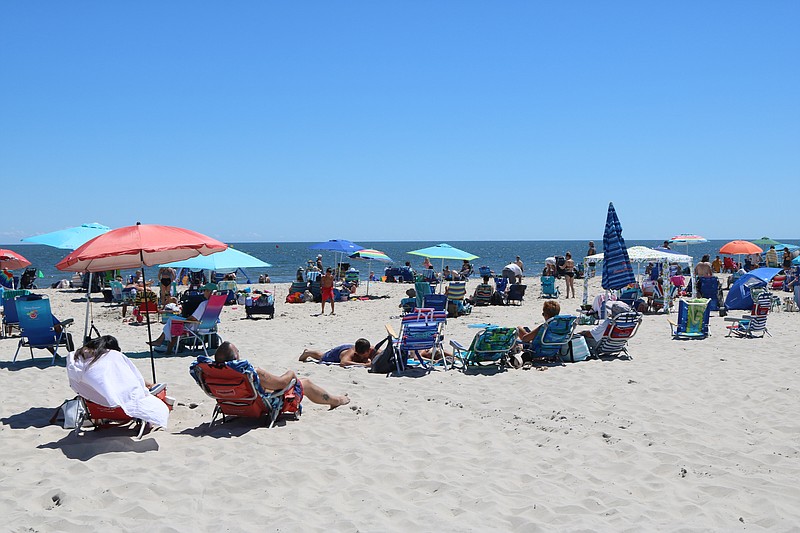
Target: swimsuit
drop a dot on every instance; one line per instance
(334, 354)
(327, 294)
(166, 282)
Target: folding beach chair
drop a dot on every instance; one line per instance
(102, 417)
(657, 301)
(617, 334)
(298, 286)
(10, 316)
(516, 293)
(117, 293)
(483, 294)
(549, 289)
(693, 317)
(489, 346)
(456, 292)
(630, 296)
(435, 301)
(205, 331)
(754, 324)
(709, 288)
(553, 335)
(228, 288)
(236, 388)
(38, 327)
(423, 288)
(500, 285)
(419, 331)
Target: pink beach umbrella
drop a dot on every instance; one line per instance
(137, 247)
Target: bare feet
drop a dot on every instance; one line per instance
(304, 356)
(338, 401)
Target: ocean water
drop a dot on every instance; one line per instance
(286, 257)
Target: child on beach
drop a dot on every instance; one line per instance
(327, 290)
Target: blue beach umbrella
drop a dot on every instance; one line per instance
(70, 238)
(617, 270)
(340, 247)
(227, 260)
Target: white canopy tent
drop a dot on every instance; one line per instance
(641, 254)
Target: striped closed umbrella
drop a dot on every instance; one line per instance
(617, 270)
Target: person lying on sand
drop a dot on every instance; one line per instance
(358, 354)
(228, 352)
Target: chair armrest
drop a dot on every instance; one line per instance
(67, 322)
(457, 345)
(671, 323)
(390, 331)
(732, 319)
(281, 392)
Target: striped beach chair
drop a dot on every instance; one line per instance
(754, 324)
(617, 334)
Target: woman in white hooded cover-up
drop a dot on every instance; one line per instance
(101, 373)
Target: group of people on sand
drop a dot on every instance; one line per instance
(101, 373)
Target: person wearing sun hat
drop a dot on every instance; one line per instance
(166, 335)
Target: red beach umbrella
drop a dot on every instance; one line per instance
(12, 260)
(137, 247)
(740, 247)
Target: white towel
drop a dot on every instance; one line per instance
(114, 381)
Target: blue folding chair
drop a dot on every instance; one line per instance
(10, 316)
(693, 317)
(553, 335)
(709, 288)
(37, 326)
(549, 289)
(490, 346)
(435, 301)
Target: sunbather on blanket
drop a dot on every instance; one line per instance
(228, 352)
(358, 354)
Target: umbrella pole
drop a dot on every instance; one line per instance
(585, 281)
(147, 318)
(88, 304)
(369, 274)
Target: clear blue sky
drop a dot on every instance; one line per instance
(283, 121)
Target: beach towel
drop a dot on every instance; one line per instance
(114, 381)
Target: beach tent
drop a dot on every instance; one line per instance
(639, 255)
(739, 295)
(229, 260)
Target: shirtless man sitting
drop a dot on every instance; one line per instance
(358, 354)
(228, 352)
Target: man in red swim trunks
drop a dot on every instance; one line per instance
(327, 290)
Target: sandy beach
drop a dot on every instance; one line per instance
(686, 435)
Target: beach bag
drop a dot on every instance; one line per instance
(578, 352)
(292, 399)
(384, 362)
(71, 414)
(497, 299)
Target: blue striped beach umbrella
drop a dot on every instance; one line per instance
(617, 270)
